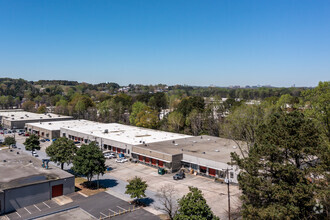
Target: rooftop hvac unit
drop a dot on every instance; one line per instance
(106, 131)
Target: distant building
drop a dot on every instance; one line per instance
(23, 181)
(18, 119)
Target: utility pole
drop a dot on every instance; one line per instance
(228, 194)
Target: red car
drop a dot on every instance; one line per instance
(27, 134)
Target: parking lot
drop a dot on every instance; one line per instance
(99, 206)
(214, 193)
(32, 210)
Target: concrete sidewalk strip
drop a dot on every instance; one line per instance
(62, 200)
(84, 195)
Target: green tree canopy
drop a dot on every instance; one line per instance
(136, 188)
(275, 178)
(42, 109)
(147, 118)
(32, 143)
(317, 101)
(136, 109)
(89, 161)
(9, 141)
(193, 206)
(175, 121)
(62, 150)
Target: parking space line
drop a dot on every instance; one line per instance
(113, 211)
(121, 208)
(46, 204)
(19, 215)
(37, 208)
(7, 217)
(27, 210)
(103, 214)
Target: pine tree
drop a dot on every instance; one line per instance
(277, 178)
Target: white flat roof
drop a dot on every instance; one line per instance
(57, 125)
(23, 115)
(127, 134)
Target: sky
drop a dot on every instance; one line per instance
(206, 42)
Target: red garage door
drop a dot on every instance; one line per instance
(114, 149)
(211, 172)
(153, 162)
(202, 169)
(147, 160)
(140, 158)
(160, 163)
(118, 150)
(57, 190)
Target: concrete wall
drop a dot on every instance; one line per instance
(176, 162)
(68, 185)
(218, 166)
(42, 132)
(151, 153)
(16, 198)
(101, 141)
(20, 124)
(2, 202)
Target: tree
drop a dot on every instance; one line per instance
(89, 161)
(175, 121)
(9, 141)
(29, 105)
(317, 101)
(42, 109)
(194, 206)
(32, 143)
(62, 150)
(136, 188)
(147, 118)
(194, 120)
(278, 178)
(136, 109)
(166, 195)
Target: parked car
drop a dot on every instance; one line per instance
(109, 155)
(35, 154)
(179, 176)
(121, 160)
(20, 133)
(77, 142)
(42, 140)
(54, 139)
(13, 146)
(27, 134)
(47, 140)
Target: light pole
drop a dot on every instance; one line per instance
(227, 181)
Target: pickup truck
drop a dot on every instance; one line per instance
(179, 176)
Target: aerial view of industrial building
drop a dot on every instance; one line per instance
(24, 181)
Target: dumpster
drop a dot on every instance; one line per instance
(161, 171)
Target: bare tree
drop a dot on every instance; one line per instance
(168, 200)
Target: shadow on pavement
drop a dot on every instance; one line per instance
(107, 183)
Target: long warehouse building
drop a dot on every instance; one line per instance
(18, 119)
